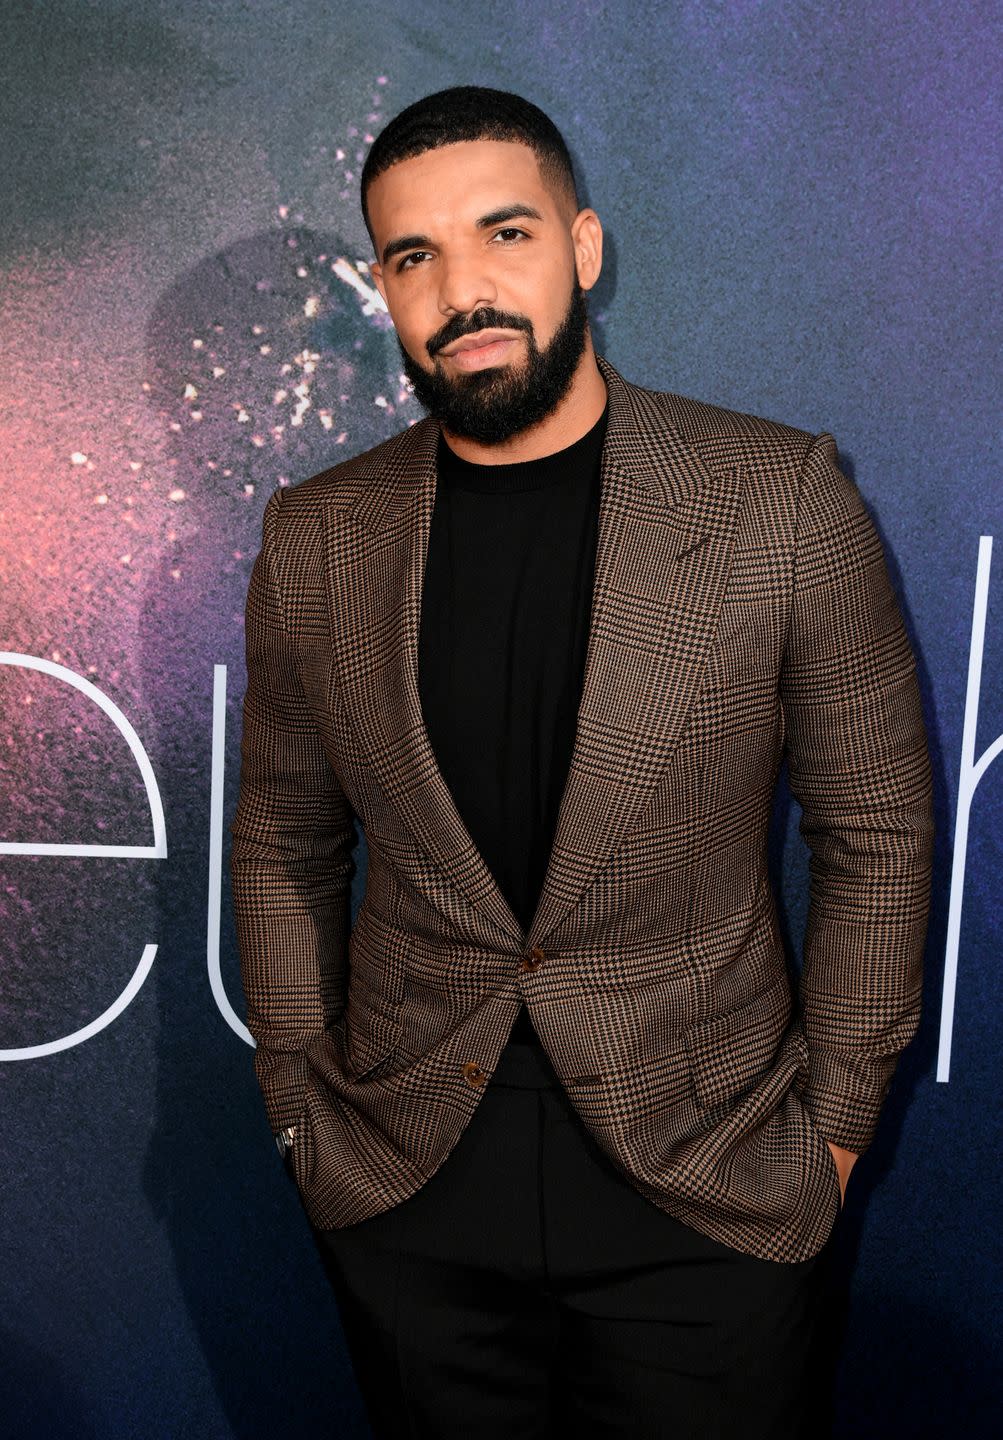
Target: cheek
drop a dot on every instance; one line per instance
(415, 318)
(543, 297)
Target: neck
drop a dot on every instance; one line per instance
(574, 416)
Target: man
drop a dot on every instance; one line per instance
(569, 1151)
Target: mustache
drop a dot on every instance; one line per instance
(484, 319)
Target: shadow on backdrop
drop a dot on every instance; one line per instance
(263, 363)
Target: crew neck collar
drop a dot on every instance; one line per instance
(461, 474)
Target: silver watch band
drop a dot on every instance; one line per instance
(284, 1140)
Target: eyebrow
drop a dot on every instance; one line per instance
(495, 217)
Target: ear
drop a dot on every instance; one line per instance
(586, 236)
(376, 271)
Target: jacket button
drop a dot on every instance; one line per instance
(473, 1074)
(533, 959)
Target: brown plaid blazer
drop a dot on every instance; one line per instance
(741, 610)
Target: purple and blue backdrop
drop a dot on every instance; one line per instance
(802, 211)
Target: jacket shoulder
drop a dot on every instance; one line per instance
(769, 457)
(722, 436)
(353, 480)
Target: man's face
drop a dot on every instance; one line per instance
(482, 266)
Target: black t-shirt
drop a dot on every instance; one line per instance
(504, 629)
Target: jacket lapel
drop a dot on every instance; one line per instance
(666, 535)
(663, 554)
(375, 554)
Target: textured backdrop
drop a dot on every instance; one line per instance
(802, 214)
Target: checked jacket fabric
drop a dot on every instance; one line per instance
(741, 614)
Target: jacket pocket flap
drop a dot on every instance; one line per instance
(730, 1052)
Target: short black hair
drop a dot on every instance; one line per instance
(470, 112)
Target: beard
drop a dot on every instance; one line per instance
(492, 405)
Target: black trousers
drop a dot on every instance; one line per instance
(528, 1290)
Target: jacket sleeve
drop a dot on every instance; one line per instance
(291, 862)
(859, 768)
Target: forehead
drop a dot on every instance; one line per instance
(455, 185)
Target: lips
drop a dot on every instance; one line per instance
(478, 341)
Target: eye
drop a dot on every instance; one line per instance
(415, 256)
(509, 235)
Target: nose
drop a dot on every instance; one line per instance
(465, 283)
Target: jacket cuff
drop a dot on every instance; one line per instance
(844, 1096)
(282, 1076)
